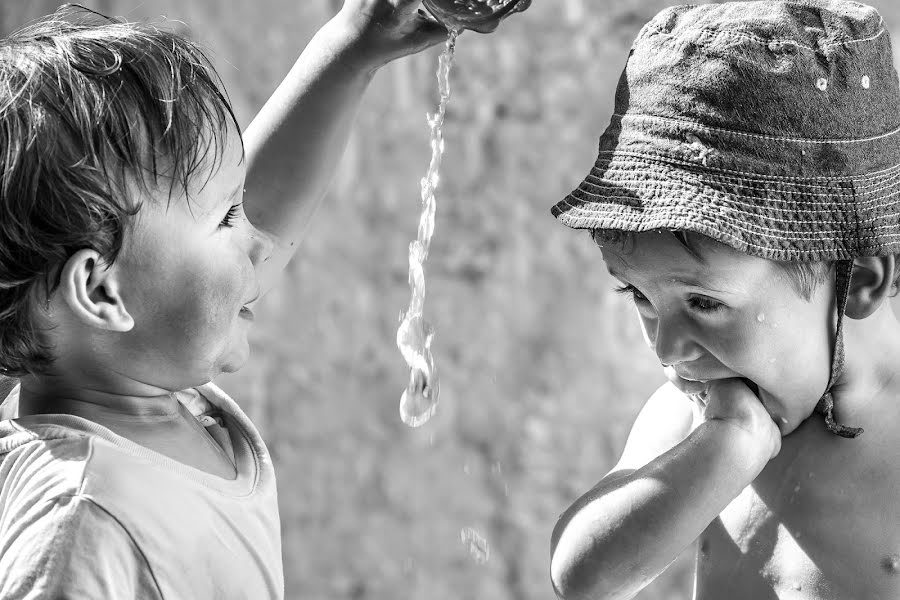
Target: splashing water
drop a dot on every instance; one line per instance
(420, 398)
(478, 547)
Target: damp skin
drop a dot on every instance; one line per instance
(724, 314)
(820, 496)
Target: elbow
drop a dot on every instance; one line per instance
(577, 574)
(570, 582)
(564, 584)
(570, 579)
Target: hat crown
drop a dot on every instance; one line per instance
(810, 70)
(773, 127)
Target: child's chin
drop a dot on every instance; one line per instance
(235, 360)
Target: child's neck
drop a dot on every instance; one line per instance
(869, 387)
(56, 395)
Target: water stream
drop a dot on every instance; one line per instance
(414, 336)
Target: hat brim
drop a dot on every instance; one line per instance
(774, 217)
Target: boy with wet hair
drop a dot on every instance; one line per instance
(138, 227)
(747, 198)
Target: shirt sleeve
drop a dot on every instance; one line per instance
(70, 548)
(9, 398)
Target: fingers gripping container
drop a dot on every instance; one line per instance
(477, 15)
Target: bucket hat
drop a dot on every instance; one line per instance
(772, 127)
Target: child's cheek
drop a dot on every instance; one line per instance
(786, 358)
(198, 311)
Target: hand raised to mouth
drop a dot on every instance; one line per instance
(734, 400)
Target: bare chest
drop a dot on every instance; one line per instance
(815, 524)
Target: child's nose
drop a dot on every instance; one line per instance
(670, 337)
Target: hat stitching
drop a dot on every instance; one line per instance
(870, 202)
(754, 229)
(684, 205)
(860, 40)
(716, 33)
(749, 174)
(598, 186)
(874, 181)
(756, 206)
(764, 136)
(725, 237)
(738, 182)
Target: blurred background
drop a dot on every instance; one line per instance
(542, 367)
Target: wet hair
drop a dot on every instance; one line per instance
(806, 277)
(89, 107)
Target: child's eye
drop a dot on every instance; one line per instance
(698, 303)
(704, 304)
(232, 214)
(632, 291)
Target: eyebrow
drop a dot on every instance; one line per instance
(225, 200)
(676, 279)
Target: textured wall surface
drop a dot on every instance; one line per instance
(543, 369)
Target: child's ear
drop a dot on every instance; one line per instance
(90, 288)
(871, 285)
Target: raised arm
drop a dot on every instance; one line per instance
(671, 482)
(295, 143)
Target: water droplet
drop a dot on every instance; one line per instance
(476, 545)
(760, 317)
(797, 586)
(891, 564)
(783, 420)
(865, 81)
(822, 83)
(419, 401)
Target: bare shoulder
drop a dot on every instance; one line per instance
(666, 419)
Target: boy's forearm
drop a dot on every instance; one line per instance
(623, 533)
(295, 143)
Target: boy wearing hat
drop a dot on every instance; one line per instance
(747, 198)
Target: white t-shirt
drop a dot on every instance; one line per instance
(86, 514)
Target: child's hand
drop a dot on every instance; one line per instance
(483, 16)
(732, 401)
(384, 30)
